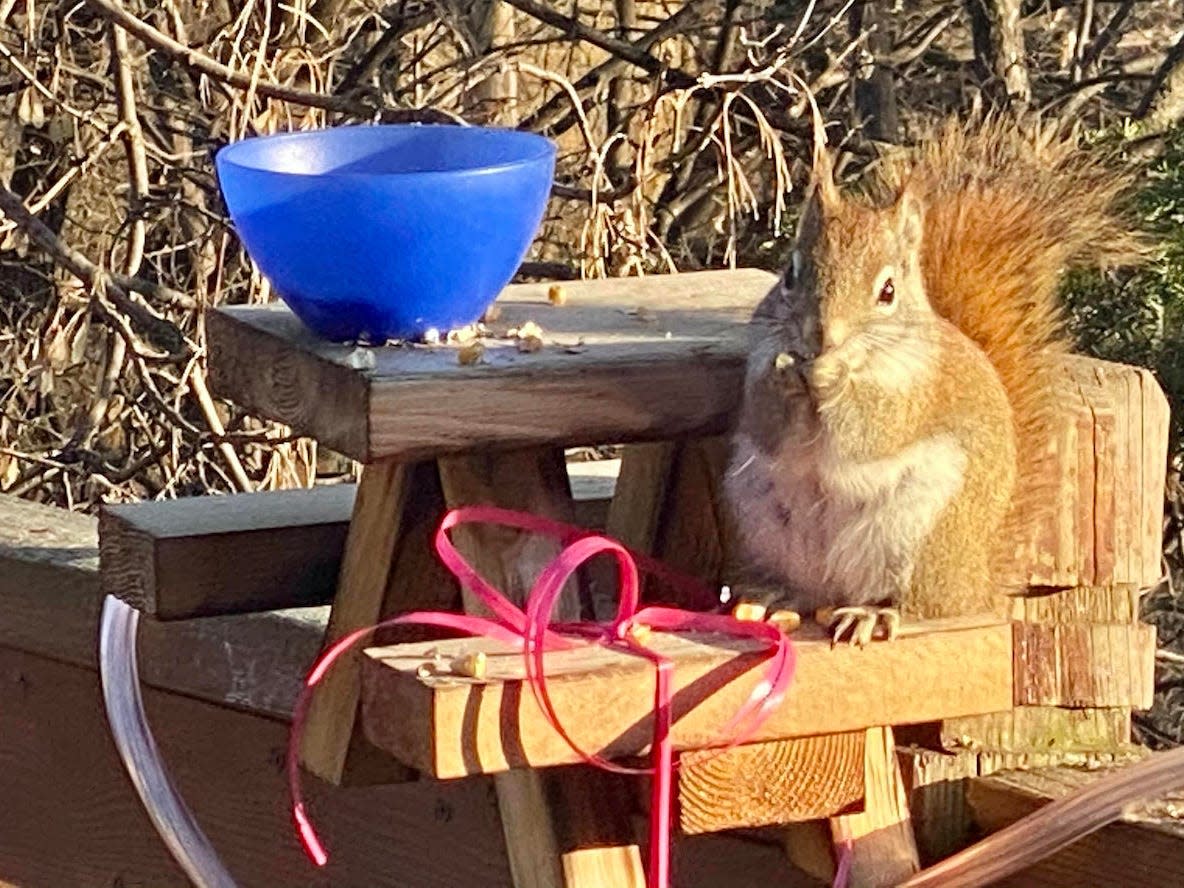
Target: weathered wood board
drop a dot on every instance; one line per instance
(1144, 848)
(209, 555)
(1111, 457)
(625, 359)
(450, 726)
(244, 553)
(49, 605)
(1085, 665)
(71, 818)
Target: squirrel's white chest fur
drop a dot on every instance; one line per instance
(837, 531)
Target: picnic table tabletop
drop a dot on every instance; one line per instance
(621, 359)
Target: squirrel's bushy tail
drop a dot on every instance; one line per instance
(1006, 213)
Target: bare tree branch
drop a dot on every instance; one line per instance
(159, 330)
(1163, 103)
(999, 47)
(1107, 34)
(554, 113)
(629, 52)
(212, 68)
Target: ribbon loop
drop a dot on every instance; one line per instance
(533, 632)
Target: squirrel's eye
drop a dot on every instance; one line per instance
(887, 293)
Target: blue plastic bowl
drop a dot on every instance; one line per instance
(385, 232)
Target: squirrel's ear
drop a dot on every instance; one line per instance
(823, 197)
(823, 176)
(910, 218)
(813, 213)
(826, 192)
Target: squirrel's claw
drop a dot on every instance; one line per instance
(862, 623)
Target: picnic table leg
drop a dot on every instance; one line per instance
(668, 504)
(388, 567)
(880, 837)
(569, 827)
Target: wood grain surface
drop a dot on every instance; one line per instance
(624, 359)
(450, 726)
(210, 555)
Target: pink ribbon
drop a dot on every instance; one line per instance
(534, 632)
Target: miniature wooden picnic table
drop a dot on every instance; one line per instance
(654, 359)
(655, 363)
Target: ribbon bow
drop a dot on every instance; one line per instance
(534, 633)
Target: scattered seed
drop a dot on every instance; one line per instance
(362, 359)
(471, 353)
(529, 344)
(471, 665)
(786, 620)
(749, 611)
(463, 334)
(530, 328)
(556, 294)
(640, 632)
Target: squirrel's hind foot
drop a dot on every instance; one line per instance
(861, 622)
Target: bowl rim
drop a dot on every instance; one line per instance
(224, 156)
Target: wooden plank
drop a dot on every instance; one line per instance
(1105, 527)
(1145, 848)
(210, 555)
(1040, 731)
(674, 368)
(593, 484)
(451, 726)
(1156, 424)
(1085, 665)
(935, 782)
(880, 840)
(284, 377)
(1079, 604)
(763, 784)
(71, 817)
(388, 568)
(243, 553)
(883, 851)
(49, 605)
(568, 829)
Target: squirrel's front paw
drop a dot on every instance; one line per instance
(861, 622)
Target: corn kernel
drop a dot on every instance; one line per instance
(786, 620)
(470, 665)
(749, 612)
